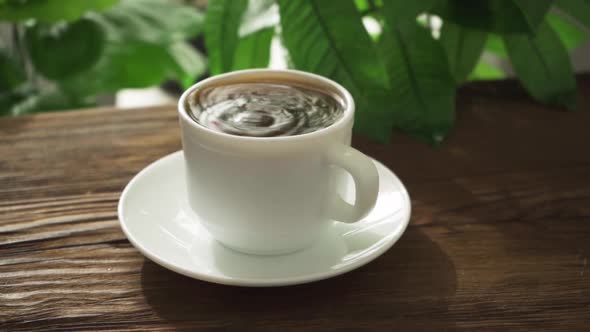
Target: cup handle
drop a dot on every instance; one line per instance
(366, 181)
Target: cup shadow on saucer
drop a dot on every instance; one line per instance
(407, 288)
(323, 254)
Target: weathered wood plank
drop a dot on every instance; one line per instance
(499, 238)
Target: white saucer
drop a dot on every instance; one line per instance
(157, 220)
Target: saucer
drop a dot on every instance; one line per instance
(156, 218)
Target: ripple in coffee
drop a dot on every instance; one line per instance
(264, 109)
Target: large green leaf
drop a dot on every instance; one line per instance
(153, 21)
(253, 51)
(50, 10)
(256, 31)
(403, 10)
(137, 64)
(463, 47)
(543, 66)
(260, 14)
(422, 86)
(187, 63)
(570, 34)
(65, 49)
(533, 11)
(222, 23)
(495, 45)
(328, 38)
(578, 9)
(143, 48)
(500, 16)
(134, 65)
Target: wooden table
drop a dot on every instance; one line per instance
(499, 237)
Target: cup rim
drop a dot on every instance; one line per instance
(348, 114)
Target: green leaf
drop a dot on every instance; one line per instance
(260, 14)
(49, 11)
(495, 45)
(253, 51)
(26, 100)
(423, 88)
(543, 66)
(328, 38)
(362, 5)
(137, 64)
(9, 98)
(61, 50)
(533, 11)
(239, 34)
(463, 47)
(403, 10)
(499, 16)
(569, 33)
(153, 21)
(50, 101)
(578, 9)
(132, 65)
(11, 72)
(187, 62)
(143, 48)
(484, 71)
(222, 24)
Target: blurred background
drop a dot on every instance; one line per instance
(402, 61)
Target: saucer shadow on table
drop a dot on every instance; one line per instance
(408, 287)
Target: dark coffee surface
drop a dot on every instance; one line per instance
(263, 109)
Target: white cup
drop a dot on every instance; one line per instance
(274, 195)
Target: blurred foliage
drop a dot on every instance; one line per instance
(61, 54)
(49, 11)
(406, 75)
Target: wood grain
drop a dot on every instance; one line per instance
(499, 237)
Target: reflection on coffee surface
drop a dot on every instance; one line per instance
(263, 109)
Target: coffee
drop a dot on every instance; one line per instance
(264, 109)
